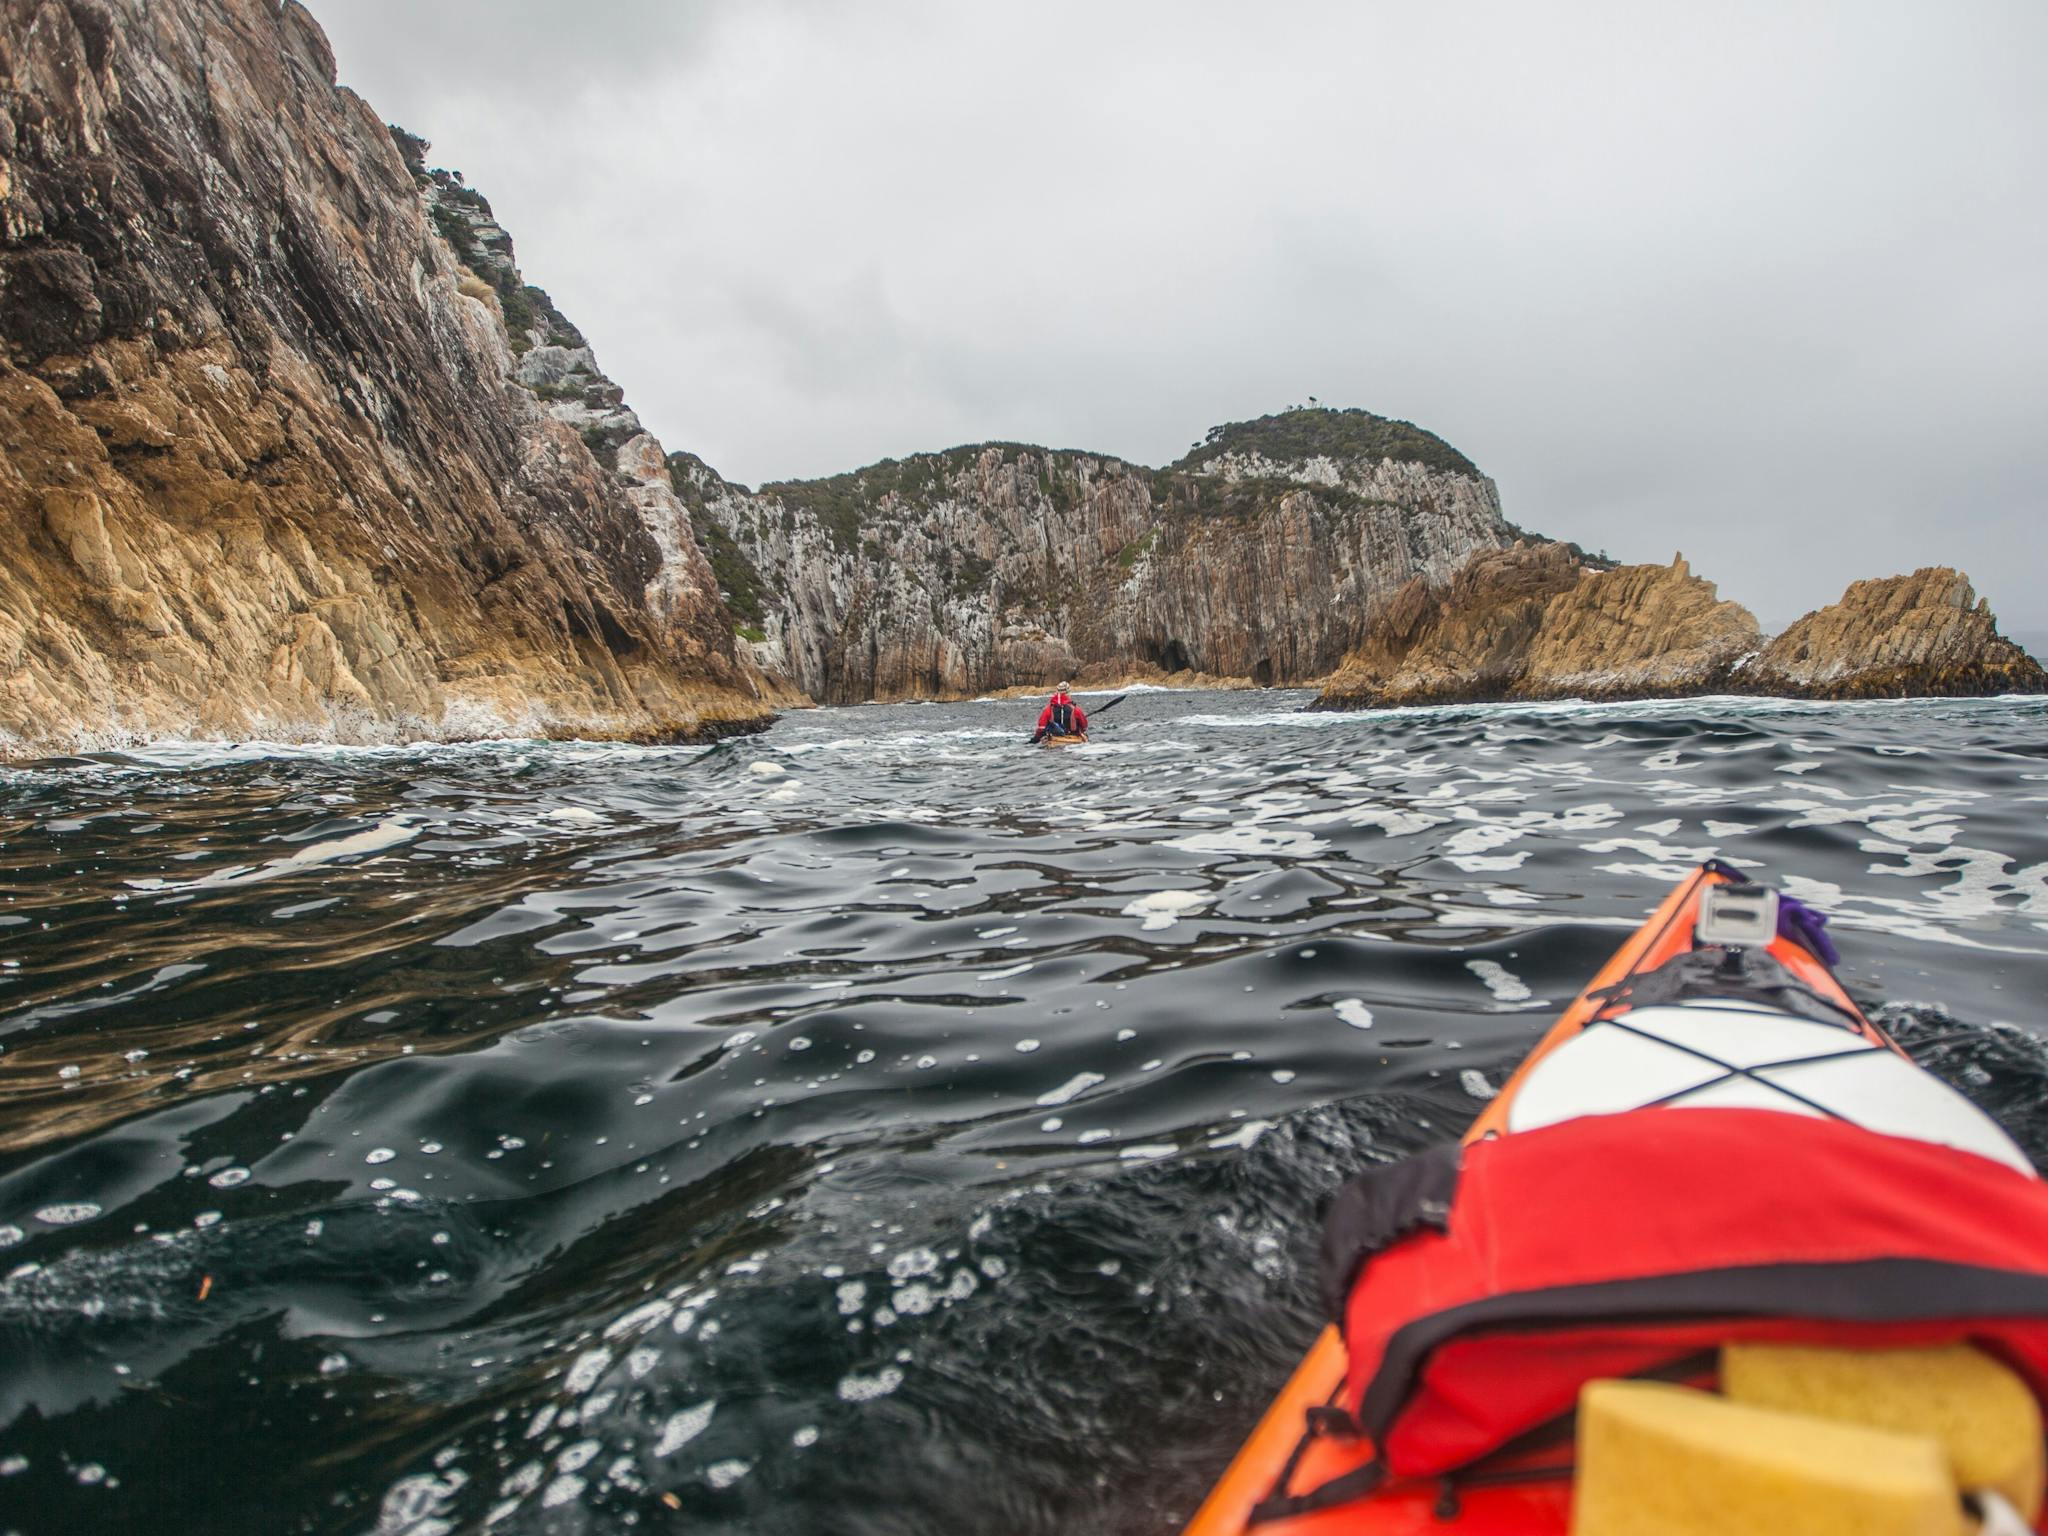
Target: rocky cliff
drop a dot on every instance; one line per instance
(1264, 554)
(1538, 622)
(1924, 634)
(287, 446)
(1534, 622)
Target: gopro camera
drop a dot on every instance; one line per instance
(1737, 915)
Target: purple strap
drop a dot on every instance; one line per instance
(1807, 928)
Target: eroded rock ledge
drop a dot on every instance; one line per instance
(287, 446)
(1534, 622)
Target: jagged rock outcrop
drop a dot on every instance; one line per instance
(1466, 637)
(1535, 622)
(286, 445)
(1927, 634)
(1262, 554)
(1539, 621)
(1638, 632)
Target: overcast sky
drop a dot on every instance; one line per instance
(1765, 283)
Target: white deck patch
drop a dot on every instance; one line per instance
(1676, 1054)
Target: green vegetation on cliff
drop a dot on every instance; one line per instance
(1320, 432)
(739, 579)
(846, 504)
(843, 504)
(455, 230)
(462, 216)
(995, 562)
(1246, 498)
(739, 582)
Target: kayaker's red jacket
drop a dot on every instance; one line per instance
(1080, 714)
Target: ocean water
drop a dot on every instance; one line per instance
(872, 1126)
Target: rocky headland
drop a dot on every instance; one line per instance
(1262, 554)
(1537, 622)
(287, 445)
(290, 448)
(1338, 548)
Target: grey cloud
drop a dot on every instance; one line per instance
(1758, 282)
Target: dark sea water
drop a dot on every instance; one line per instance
(873, 1126)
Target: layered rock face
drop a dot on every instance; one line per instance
(1533, 622)
(1924, 634)
(1538, 622)
(1263, 554)
(1638, 631)
(289, 447)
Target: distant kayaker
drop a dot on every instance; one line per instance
(1061, 717)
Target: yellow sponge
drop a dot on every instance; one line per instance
(1983, 1415)
(1674, 1462)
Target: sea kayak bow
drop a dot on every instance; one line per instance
(1712, 1144)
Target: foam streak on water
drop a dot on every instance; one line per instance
(875, 1126)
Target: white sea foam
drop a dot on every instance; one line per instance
(1070, 1090)
(1281, 842)
(639, 1319)
(683, 1426)
(1353, 1011)
(856, 1388)
(1241, 1138)
(1162, 909)
(584, 1374)
(913, 1262)
(1469, 841)
(1500, 981)
(68, 1213)
(388, 833)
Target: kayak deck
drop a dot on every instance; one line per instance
(1066, 741)
(1528, 1507)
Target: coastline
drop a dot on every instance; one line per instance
(707, 729)
(1087, 681)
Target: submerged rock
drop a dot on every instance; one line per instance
(274, 462)
(1260, 555)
